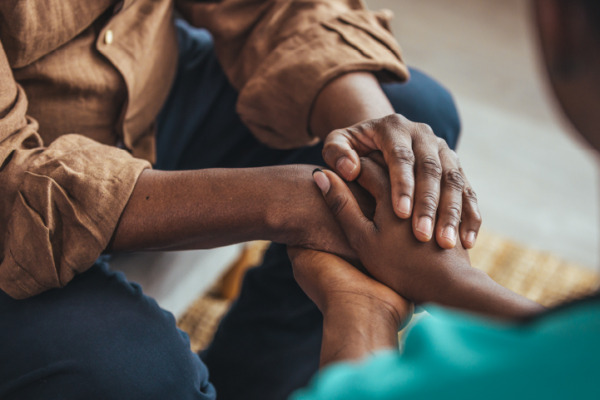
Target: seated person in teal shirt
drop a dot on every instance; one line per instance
(505, 346)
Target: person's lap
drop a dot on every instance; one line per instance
(100, 334)
(98, 338)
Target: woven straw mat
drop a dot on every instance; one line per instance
(540, 276)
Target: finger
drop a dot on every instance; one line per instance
(375, 180)
(428, 171)
(451, 199)
(339, 152)
(345, 209)
(400, 159)
(471, 216)
(377, 157)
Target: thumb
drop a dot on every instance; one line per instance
(345, 209)
(339, 154)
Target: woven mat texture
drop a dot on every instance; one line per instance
(537, 275)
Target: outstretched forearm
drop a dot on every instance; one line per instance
(473, 290)
(216, 207)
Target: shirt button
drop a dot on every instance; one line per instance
(108, 37)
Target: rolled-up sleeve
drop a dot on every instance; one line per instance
(59, 204)
(280, 54)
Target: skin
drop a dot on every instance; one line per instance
(570, 47)
(420, 272)
(176, 210)
(216, 207)
(333, 284)
(427, 179)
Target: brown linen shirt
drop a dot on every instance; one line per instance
(79, 77)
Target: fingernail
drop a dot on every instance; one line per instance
(424, 226)
(321, 180)
(471, 237)
(449, 233)
(404, 206)
(345, 166)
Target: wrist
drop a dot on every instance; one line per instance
(355, 330)
(363, 99)
(291, 196)
(368, 310)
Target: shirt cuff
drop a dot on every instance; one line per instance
(65, 210)
(276, 102)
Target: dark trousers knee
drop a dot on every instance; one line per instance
(97, 338)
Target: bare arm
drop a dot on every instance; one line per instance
(330, 88)
(216, 207)
(208, 208)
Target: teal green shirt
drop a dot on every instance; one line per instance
(451, 355)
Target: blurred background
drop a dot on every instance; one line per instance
(536, 183)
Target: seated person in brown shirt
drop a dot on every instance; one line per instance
(94, 93)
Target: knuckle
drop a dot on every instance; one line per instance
(470, 195)
(431, 167)
(403, 154)
(453, 213)
(428, 203)
(443, 145)
(453, 156)
(455, 180)
(426, 130)
(397, 123)
(476, 218)
(395, 120)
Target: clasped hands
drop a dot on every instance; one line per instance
(409, 185)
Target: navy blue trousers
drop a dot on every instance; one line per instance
(100, 337)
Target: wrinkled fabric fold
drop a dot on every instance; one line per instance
(94, 76)
(280, 55)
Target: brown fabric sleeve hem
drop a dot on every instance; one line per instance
(64, 214)
(276, 102)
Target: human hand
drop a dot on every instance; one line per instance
(421, 272)
(301, 218)
(360, 315)
(333, 283)
(427, 180)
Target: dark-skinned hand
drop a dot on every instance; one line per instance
(385, 244)
(331, 283)
(427, 181)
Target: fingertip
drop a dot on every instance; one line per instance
(469, 240)
(424, 229)
(445, 244)
(321, 180)
(347, 168)
(446, 237)
(403, 207)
